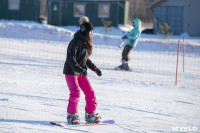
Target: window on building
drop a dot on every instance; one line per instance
(104, 10)
(79, 9)
(14, 4)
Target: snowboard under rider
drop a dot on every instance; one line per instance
(75, 69)
(132, 39)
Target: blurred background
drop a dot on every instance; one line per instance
(175, 16)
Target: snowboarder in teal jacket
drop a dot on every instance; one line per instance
(132, 39)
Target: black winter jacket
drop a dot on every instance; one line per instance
(77, 56)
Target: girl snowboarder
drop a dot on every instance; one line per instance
(75, 70)
(132, 39)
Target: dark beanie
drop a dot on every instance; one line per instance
(86, 27)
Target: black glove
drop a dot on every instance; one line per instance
(97, 71)
(83, 72)
(124, 37)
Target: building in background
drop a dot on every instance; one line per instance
(68, 12)
(181, 15)
(19, 9)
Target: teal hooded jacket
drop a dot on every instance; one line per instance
(132, 37)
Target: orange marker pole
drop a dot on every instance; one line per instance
(183, 53)
(177, 63)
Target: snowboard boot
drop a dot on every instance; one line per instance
(92, 118)
(73, 118)
(124, 66)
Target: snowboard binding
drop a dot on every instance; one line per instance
(92, 118)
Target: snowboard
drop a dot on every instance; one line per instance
(116, 69)
(64, 124)
(119, 69)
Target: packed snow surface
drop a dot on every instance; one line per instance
(33, 90)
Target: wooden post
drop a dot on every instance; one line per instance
(177, 63)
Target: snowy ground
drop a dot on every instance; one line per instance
(33, 89)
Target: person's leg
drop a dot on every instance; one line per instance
(125, 53)
(90, 110)
(90, 96)
(125, 57)
(72, 82)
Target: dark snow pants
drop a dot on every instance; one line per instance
(126, 51)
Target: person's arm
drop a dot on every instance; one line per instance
(93, 67)
(134, 34)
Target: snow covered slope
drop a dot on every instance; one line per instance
(33, 89)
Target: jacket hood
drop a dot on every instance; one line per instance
(79, 35)
(137, 23)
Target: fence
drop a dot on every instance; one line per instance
(153, 61)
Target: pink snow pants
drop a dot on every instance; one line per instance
(75, 83)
